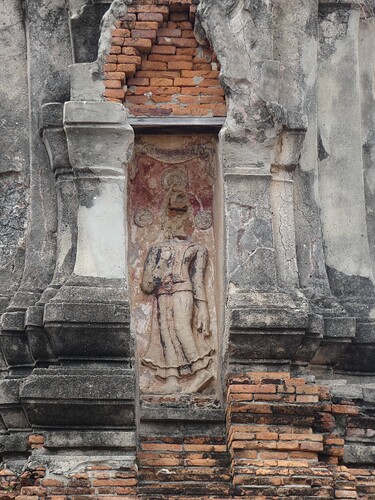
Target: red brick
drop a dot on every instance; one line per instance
(184, 25)
(129, 17)
(302, 437)
(138, 81)
(130, 51)
(116, 40)
(161, 82)
(123, 59)
(120, 33)
(161, 98)
(210, 82)
(185, 51)
(110, 67)
(296, 381)
(153, 111)
(188, 34)
(183, 65)
(52, 482)
(177, 42)
(288, 445)
(177, 110)
(211, 91)
(202, 67)
(303, 454)
(168, 57)
(149, 34)
(169, 32)
(143, 25)
(33, 490)
(151, 16)
(164, 10)
(129, 69)
(115, 49)
(345, 409)
(116, 93)
(333, 441)
(204, 74)
(307, 399)
(157, 74)
(184, 82)
(154, 65)
(142, 44)
(111, 58)
(267, 435)
(36, 439)
(307, 389)
(163, 49)
(345, 494)
(161, 446)
(179, 16)
(246, 454)
(115, 482)
(24, 497)
(311, 446)
(136, 99)
(154, 90)
(188, 99)
(273, 455)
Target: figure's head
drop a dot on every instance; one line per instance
(177, 219)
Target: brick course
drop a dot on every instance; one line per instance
(157, 36)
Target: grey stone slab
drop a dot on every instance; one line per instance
(350, 391)
(359, 454)
(340, 327)
(90, 439)
(15, 442)
(85, 384)
(181, 414)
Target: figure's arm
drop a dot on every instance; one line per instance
(155, 268)
(149, 284)
(197, 273)
(201, 316)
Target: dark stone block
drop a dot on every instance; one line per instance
(85, 32)
(250, 345)
(79, 397)
(13, 340)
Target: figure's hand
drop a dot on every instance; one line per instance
(202, 319)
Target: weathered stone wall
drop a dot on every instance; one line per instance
(199, 171)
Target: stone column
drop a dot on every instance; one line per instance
(88, 319)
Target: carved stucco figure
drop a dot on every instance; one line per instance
(179, 345)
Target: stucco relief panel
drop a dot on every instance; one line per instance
(171, 263)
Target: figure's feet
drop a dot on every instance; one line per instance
(170, 386)
(201, 380)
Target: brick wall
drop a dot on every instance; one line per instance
(281, 442)
(156, 66)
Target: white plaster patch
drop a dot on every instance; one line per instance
(101, 242)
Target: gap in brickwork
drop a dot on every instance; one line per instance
(156, 66)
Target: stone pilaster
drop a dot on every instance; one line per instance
(87, 320)
(267, 316)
